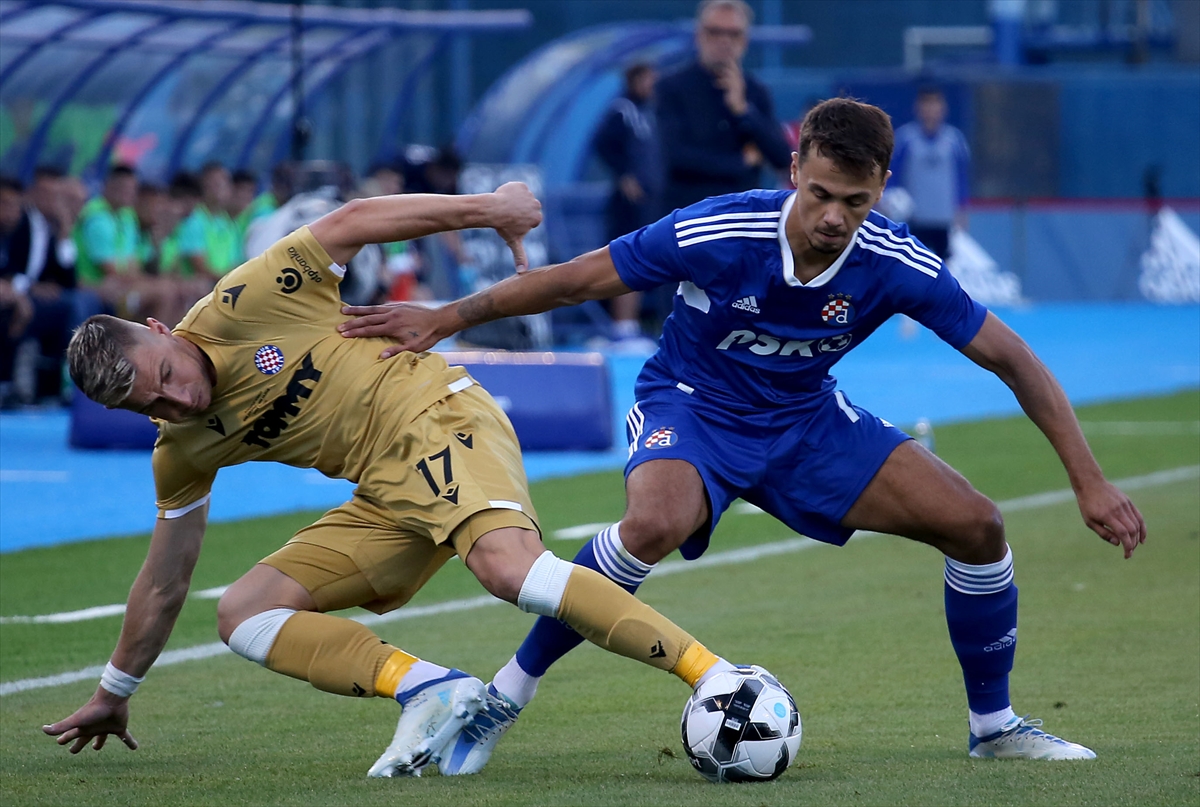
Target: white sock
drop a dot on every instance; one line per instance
(515, 684)
(721, 666)
(421, 672)
(253, 638)
(615, 561)
(626, 328)
(992, 722)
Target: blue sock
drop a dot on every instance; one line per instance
(981, 612)
(550, 640)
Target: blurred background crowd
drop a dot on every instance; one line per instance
(139, 249)
(1046, 148)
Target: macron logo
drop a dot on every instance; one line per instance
(747, 304)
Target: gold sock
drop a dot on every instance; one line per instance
(607, 615)
(394, 669)
(335, 655)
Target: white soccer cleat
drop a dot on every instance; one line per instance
(430, 717)
(472, 748)
(1024, 739)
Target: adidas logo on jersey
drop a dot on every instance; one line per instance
(747, 304)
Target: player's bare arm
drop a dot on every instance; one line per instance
(1105, 508)
(415, 328)
(155, 600)
(512, 211)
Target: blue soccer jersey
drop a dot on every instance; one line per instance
(745, 332)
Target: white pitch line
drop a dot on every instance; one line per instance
(709, 560)
(581, 531)
(96, 611)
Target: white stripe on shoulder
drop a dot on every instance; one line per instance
(923, 250)
(904, 245)
(700, 239)
(767, 215)
(728, 225)
(900, 256)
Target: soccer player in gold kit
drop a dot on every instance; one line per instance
(257, 372)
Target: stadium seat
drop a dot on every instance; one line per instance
(94, 426)
(556, 401)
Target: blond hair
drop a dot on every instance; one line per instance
(98, 359)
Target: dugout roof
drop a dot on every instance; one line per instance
(167, 85)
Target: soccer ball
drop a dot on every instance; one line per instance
(741, 726)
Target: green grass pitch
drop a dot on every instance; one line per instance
(1109, 656)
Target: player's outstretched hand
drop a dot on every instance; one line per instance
(517, 211)
(103, 715)
(412, 326)
(1112, 516)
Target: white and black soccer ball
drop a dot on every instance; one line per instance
(741, 726)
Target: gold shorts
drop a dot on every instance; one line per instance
(452, 475)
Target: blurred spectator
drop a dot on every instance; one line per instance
(716, 122)
(387, 180)
(185, 254)
(106, 236)
(400, 280)
(35, 290)
(155, 223)
(267, 202)
(222, 240)
(933, 163)
(245, 189)
(627, 142)
(444, 259)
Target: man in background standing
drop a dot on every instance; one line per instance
(717, 123)
(933, 163)
(627, 143)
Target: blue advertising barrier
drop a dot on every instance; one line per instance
(556, 401)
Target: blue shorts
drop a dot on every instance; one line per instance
(805, 465)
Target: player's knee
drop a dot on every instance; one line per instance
(501, 561)
(983, 533)
(229, 616)
(651, 537)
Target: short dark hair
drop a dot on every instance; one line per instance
(13, 184)
(856, 136)
(185, 184)
(243, 176)
(635, 71)
(122, 170)
(48, 172)
(930, 91)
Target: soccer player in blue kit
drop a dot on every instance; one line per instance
(774, 288)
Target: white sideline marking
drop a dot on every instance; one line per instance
(96, 612)
(581, 531)
(204, 651)
(729, 557)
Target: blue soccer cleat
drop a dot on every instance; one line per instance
(472, 749)
(1024, 739)
(430, 717)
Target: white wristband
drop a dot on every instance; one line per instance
(119, 683)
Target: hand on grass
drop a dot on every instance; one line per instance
(101, 716)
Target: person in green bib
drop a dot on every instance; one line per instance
(106, 236)
(222, 239)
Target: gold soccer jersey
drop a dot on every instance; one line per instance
(289, 388)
